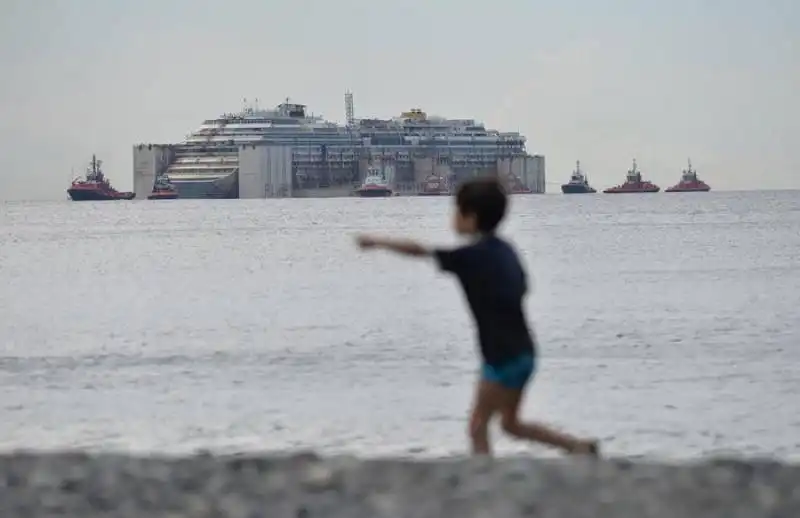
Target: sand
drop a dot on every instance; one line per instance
(305, 486)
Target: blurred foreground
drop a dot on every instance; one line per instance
(86, 486)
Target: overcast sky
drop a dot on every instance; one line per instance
(602, 81)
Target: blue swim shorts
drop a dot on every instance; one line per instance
(513, 374)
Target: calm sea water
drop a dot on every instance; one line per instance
(668, 325)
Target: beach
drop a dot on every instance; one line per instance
(307, 486)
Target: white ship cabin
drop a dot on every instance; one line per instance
(374, 177)
(252, 123)
(633, 173)
(689, 174)
(416, 125)
(577, 174)
(283, 111)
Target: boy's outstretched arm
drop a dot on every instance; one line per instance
(400, 246)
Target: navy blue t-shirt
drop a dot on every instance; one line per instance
(494, 283)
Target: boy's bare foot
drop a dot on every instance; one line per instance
(590, 447)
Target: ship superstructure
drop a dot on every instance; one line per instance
(326, 156)
(205, 163)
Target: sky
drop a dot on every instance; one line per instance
(600, 81)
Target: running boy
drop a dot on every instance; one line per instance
(494, 283)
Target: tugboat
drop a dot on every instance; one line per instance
(163, 189)
(435, 186)
(578, 182)
(515, 185)
(374, 186)
(95, 187)
(633, 183)
(689, 182)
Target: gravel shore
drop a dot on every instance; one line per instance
(34, 485)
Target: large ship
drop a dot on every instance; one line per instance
(95, 186)
(578, 182)
(689, 182)
(633, 183)
(326, 158)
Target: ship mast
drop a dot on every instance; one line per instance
(349, 111)
(689, 174)
(633, 174)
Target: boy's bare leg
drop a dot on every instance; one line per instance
(508, 402)
(483, 409)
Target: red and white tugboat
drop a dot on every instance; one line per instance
(163, 189)
(689, 182)
(374, 186)
(95, 186)
(435, 186)
(515, 186)
(633, 183)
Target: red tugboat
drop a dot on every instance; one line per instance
(435, 186)
(633, 183)
(374, 186)
(163, 189)
(689, 182)
(515, 185)
(95, 187)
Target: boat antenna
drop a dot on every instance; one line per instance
(349, 110)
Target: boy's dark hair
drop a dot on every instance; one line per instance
(486, 199)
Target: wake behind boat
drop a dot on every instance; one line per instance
(578, 182)
(95, 186)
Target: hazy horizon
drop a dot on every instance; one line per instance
(599, 82)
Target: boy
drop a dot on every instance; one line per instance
(494, 283)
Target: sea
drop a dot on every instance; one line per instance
(667, 326)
